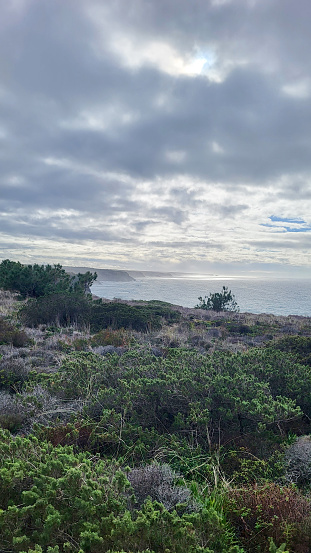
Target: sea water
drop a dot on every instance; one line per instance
(279, 296)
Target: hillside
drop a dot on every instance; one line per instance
(140, 427)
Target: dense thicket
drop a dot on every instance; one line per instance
(298, 346)
(210, 418)
(55, 498)
(188, 393)
(74, 308)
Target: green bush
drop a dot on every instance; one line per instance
(51, 497)
(40, 280)
(298, 346)
(219, 301)
(57, 309)
(116, 315)
(189, 396)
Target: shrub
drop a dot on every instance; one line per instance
(14, 372)
(11, 335)
(297, 461)
(219, 301)
(260, 513)
(298, 346)
(36, 406)
(53, 498)
(107, 337)
(158, 482)
(143, 318)
(39, 280)
(195, 398)
(12, 412)
(120, 315)
(57, 309)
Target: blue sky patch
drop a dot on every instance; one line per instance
(284, 228)
(301, 229)
(276, 219)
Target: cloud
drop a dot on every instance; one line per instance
(130, 134)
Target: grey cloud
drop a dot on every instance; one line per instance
(298, 189)
(264, 31)
(228, 211)
(58, 69)
(303, 242)
(260, 131)
(53, 228)
(188, 244)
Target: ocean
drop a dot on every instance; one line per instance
(279, 296)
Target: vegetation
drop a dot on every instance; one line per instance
(141, 428)
(34, 281)
(219, 301)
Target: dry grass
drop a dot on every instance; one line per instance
(8, 303)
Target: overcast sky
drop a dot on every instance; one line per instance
(156, 134)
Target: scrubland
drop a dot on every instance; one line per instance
(142, 427)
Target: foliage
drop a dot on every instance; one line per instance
(142, 318)
(14, 372)
(107, 337)
(146, 449)
(64, 309)
(34, 405)
(262, 512)
(40, 280)
(51, 497)
(218, 301)
(274, 549)
(298, 346)
(298, 462)
(282, 373)
(61, 309)
(243, 467)
(9, 334)
(32, 280)
(158, 482)
(137, 400)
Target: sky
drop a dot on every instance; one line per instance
(157, 134)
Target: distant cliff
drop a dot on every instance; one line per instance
(103, 274)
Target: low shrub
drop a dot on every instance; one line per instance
(51, 497)
(109, 337)
(12, 413)
(297, 460)
(143, 318)
(35, 406)
(57, 309)
(14, 372)
(299, 346)
(270, 511)
(116, 315)
(11, 335)
(158, 483)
